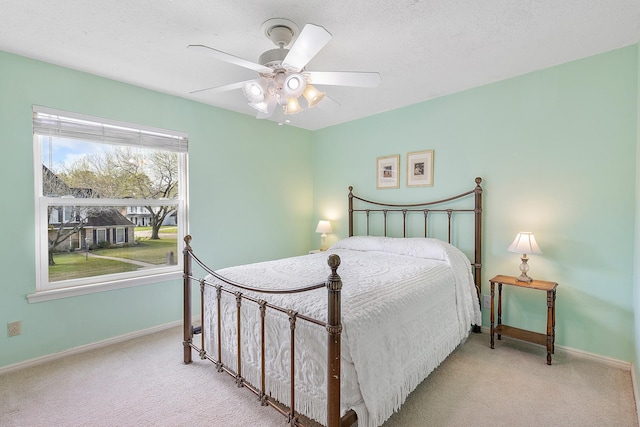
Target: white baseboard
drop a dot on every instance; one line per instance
(615, 363)
(86, 347)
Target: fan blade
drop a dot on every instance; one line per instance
(227, 57)
(225, 88)
(312, 38)
(344, 78)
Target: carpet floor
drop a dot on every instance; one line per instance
(143, 382)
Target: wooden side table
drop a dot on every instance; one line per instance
(547, 339)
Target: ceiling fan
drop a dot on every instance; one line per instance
(282, 76)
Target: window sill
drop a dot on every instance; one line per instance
(53, 294)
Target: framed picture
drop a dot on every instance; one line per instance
(420, 168)
(387, 168)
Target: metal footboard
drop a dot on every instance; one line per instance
(333, 327)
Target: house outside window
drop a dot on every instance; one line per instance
(111, 203)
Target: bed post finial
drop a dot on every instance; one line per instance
(187, 242)
(478, 181)
(334, 331)
(334, 263)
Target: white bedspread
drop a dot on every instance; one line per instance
(406, 305)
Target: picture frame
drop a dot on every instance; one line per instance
(387, 172)
(420, 169)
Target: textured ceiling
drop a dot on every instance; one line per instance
(422, 49)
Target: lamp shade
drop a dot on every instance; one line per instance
(265, 105)
(312, 95)
(293, 106)
(323, 227)
(255, 90)
(294, 85)
(525, 243)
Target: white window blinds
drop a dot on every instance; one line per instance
(49, 122)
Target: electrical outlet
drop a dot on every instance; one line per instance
(14, 328)
(486, 301)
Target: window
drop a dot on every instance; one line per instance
(68, 214)
(120, 235)
(101, 236)
(111, 203)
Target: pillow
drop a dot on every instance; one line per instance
(361, 243)
(419, 247)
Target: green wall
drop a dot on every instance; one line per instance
(556, 149)
(250, 199)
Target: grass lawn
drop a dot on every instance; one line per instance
(146, 250)
(76, 265)
(163, 230)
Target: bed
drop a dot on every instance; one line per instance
(346, 334)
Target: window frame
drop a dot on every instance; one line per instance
(46, 290)
(101, 233)
(120, 235)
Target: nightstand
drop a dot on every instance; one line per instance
(547, 339)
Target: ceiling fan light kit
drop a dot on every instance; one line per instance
(293, 106)
(294, 85)
(255, 91)
(282, 74)
(312, 95)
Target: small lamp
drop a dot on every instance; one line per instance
(524, 244)
(323, 227)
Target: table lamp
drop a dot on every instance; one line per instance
(323, 227)
(524, 244)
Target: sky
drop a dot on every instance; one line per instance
(57, 152)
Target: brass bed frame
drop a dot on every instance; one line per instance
(333, 284)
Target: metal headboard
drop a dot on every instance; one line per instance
(425, 209)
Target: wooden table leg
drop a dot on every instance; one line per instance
(553, 323)
(499, 307)
(550, 324)
(492, 314)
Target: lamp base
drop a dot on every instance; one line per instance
(524, 278)
(524, 267)
(323, 238)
